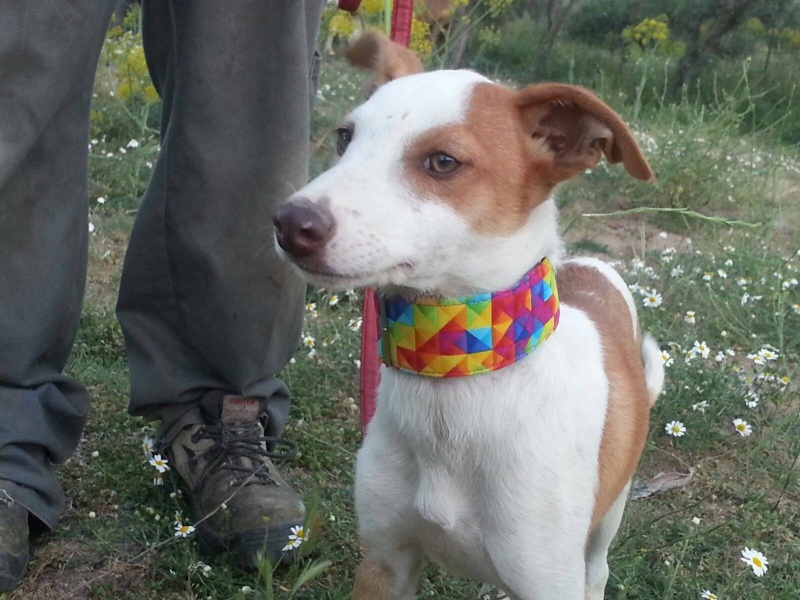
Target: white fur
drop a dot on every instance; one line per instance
(653, 367)
(597, 548)
(492, 476)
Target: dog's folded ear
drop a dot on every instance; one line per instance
(386, 59)
(570, 129)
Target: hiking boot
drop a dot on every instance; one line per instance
(13, 541)
(235, 493)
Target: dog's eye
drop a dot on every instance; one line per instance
(345, 137)
(440, 163)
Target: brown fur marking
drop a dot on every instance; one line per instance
(372, 582)
(628, 412)
(514, 152)
(498, 184)
(618, 144)
(386, 59)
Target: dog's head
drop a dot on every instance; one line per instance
(444, 177)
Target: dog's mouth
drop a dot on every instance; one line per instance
(319, 274)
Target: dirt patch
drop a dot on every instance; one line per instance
(63, 570)
(617, 237)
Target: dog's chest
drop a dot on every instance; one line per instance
(478, 454)
(448, 502)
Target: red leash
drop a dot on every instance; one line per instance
(402, 16)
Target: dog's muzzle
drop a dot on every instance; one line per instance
(303, 228)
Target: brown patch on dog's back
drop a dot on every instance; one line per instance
(628, 411)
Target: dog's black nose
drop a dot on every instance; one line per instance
(302, 227)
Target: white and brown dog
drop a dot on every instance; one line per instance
(516, 477)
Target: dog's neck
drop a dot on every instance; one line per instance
(455, 337)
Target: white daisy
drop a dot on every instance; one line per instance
(708, 276)
(677, 270)
(723, 274)
(706, 595)
(668, 360)
(701, 406)
(355, 324)
(768, 354)
(690, 317)
(701, 348)
(755, 559)
(148, 445)
(741, 281)
(752, 399)
(333, 300)
(757, 359)
(743, 427)
(675, 429)
(652, 299)
(308, 341)
(296, 538)
(720, 356)
(161, 464)
(796, 308)
(183, 530)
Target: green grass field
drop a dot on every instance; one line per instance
(740, 283)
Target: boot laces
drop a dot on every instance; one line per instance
(232, 444)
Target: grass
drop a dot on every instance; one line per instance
(116, 540)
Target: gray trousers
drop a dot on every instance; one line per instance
(205, 306)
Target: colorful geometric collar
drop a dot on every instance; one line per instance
(455, 337)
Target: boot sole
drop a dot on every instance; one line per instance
(12, 577)
(248, 545)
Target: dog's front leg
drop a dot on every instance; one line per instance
(532, 580)
(539, 563)
(388, 580)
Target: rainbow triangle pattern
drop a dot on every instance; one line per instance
(455, 337)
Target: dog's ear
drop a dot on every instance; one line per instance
(570, 128)
(386, 59)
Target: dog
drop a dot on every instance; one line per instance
(508, 468)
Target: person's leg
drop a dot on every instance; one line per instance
(204, 303)
(48, 56)
(206, 307)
